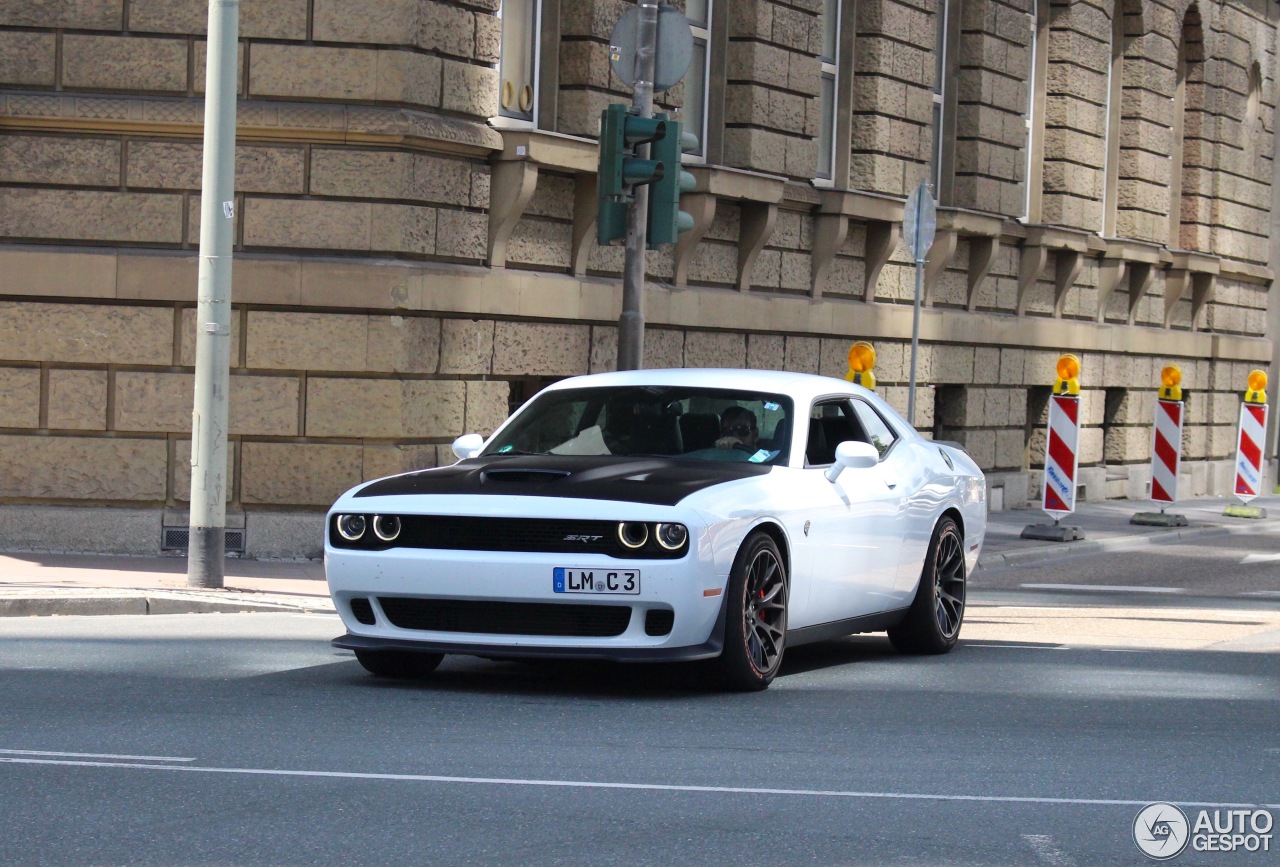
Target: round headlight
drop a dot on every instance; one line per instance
(633, 534)
(351, 527)
(386, 527)
(671, 536)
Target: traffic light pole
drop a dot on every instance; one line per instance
(631, 323)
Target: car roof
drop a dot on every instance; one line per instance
(802, 386)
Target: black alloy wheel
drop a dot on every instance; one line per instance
(932, 624)
(756, 622)
(400, 664)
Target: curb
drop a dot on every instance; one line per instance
(1069, 550)
(83, 604)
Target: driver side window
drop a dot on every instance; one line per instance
(830, 423)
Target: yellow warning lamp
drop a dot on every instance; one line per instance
(1171, 383)
(1257, 390)
(862, 358)
(1068, 381)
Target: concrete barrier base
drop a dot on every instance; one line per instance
(1052, 532)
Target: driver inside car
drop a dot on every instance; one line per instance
(738, 429)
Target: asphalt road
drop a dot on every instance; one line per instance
(246, 739)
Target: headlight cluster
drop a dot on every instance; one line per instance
(353, 527)
(633, 535)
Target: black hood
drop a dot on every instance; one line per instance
(658, 481)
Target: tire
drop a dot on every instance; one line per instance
(756, 619)
(933, 622)
(401, 664)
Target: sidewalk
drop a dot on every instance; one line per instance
(34, 584)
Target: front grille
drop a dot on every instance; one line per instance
(506, 618)
(525, 535)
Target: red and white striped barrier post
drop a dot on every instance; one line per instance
(1061, 456)
(1250, 439)
(1166, 451)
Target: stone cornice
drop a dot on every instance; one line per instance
(298, 122)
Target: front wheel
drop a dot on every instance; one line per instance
(932, 624)
(401, 664)
(756, 620)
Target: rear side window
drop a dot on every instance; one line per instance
(878, 431)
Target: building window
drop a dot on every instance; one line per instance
(1033, 169)
(942, 169)
(827, 95)
(518, 63)
(694, 112)
(1115, 96)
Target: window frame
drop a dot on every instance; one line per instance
(509, 121)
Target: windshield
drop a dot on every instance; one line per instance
(671, 421)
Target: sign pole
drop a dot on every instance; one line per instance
(631, 322)
(206, 549)
(919, 224)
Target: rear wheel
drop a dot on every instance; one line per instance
(932, 624)
(403, 664)
(756, 621)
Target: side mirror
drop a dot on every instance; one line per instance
(852, 455)
(468, 446)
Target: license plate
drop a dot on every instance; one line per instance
(607, 581)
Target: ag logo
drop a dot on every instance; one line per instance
(1161, 831)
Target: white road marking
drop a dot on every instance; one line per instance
(1047, 851)
(1108, 588)
(641, 787)
(1259, 558)
(1019, 646)
(1266, 593)
(96, 756)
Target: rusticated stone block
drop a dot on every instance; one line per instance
(257, 405)
(178, 166)
(307, 341)
(260, 19)
(604, 349)
(77, 400)
(766, 351)
(85, 334)
(20, 397)
(461, 234)
(404, 344)
(663, 347)
(296, 71)
(384, 408)
(402, 229)
(528, 348)
(379, 22)
(486, 405)
(312, 224)
(756, 149)
(124, 63)
(83, 468)
(758, 62)
(390, 460)
(85, 215)
(447, 29)
(714, 263)
(187, 339)
(80, 14)
(469, 89)
(404, 76)
(390, 175)
(27, 58)
(56, 160)
(298, 474)
(540, 242)
(466, 346)
(489, 38)
(714, 349)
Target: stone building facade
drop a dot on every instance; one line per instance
(415, 253)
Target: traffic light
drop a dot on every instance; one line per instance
(620, 169)
(666, 220)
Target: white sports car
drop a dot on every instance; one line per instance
(664, 515)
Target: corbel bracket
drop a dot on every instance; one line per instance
(883, 218)
(511, 186)
(758, 220)
(1070, 246)
(1189, 269)
(702, 207)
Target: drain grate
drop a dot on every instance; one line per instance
(179, 539)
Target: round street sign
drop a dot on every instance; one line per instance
(919, 222)
(671, 57)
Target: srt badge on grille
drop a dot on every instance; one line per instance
(574, 537)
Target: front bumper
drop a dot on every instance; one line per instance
(686, 588)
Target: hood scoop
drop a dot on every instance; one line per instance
(522, 476)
